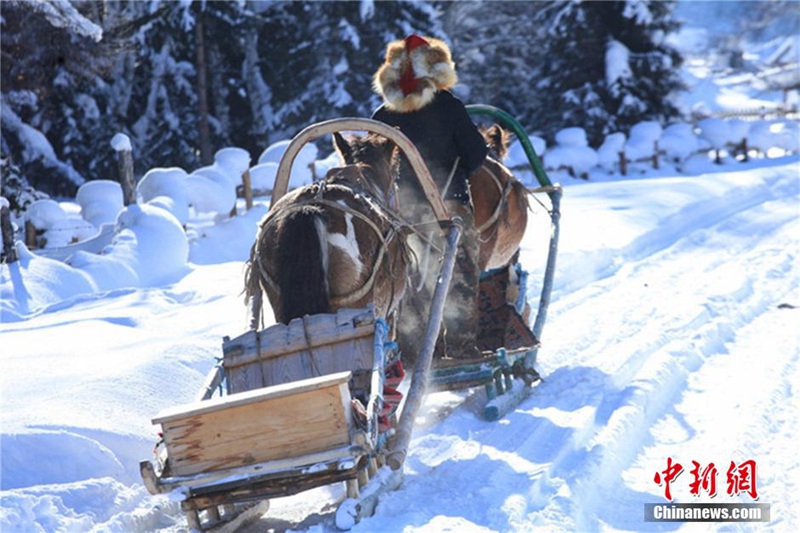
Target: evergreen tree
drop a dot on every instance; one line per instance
(163, 111)
(53, 60)
(319, 57)
(15, 187)
(498, 53)
(607, 66)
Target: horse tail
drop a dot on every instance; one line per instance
(253, 296)
(302, 265)
(523, 194)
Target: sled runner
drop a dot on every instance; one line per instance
(315, 402)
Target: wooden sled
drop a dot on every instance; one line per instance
(506, 344)
(307, 404)
(286, 422)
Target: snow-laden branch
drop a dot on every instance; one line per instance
(36, 146)
(62, 14)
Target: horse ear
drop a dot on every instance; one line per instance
(498, 140)
(385, 145)
(343, 148)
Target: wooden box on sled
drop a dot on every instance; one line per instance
(266, 424)
(288, 396)
(313, 346)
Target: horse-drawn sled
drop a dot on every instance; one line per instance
(316, 398)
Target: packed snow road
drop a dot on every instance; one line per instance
(672, 335)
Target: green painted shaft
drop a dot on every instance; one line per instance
(508, 121)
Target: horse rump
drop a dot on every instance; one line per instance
(302, 264)
(288, 262)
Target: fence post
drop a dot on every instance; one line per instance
(623, 164)
(122, 145)
(30, 235)
(9, 250)
(247, 185)
(655, 154)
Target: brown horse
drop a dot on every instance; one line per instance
(335, 243)
(500, 202)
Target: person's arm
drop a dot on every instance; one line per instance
(471, 145)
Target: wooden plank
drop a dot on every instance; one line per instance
(277, 422)
(250, 397)
(244, 349)
(315, 345)
(280, 339)
(285, 467)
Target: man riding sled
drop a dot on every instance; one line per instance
(414, 81)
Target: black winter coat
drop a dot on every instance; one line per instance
(442, 131)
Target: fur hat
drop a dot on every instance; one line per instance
(413, 70)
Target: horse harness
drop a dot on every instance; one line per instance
(371, 199)
(505, 191)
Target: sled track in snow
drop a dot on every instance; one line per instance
(695, 217)
(622, 353)
(729, 289)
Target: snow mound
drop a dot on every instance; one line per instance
(44, 213)
(166, 188)
(572, 152)
(642, 139)
(569, 137)
(209, 190)
(301, 168)
(153, 242)
(262, 176)
(721, 133)
(55, 226)
(239, 234)
(234, 160)
(100, 201)
(608, 153)
(516, 153)
(678, 142)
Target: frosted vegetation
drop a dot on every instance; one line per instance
(134, 68)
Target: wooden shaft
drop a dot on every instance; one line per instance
(419, 379)
(360, 124)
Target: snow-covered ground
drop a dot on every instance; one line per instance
(672, 337)
(666, 339)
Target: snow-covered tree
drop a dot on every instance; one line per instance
(163, 110)
(53, 59)
(318, 58)
(15, 188)
(497, 47)
(640, 68)
(605, 66)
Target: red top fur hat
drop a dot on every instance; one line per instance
(413, 70)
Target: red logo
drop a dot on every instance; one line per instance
(741, 478)
(667, 476)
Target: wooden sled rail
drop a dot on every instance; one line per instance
(360, 124)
